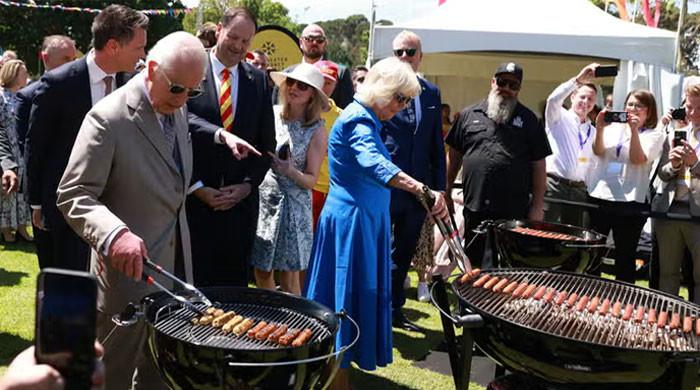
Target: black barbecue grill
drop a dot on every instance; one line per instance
(573, 341)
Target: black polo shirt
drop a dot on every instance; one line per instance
(497, 169)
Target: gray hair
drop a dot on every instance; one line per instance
(175, 47)
(408, 36)
(385, 79)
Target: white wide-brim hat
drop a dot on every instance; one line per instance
(305, 73)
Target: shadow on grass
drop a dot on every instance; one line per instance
(366, 380)
(413, 314)
(416, 346)
(11, 346)
(11, 278)
(20, 246)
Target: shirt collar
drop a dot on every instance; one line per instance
(94, 71)
(217, 66)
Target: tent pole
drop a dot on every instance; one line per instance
(370, 48)
(681, 21)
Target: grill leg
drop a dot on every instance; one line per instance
(690, 375)
(459, 374)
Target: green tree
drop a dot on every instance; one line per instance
(23, 29)
(265, 11)
(348, 39)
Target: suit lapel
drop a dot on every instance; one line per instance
(84, 100)
(182, 142)
(209, 87)
(145, 119)
(245, 89)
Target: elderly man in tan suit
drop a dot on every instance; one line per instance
(679, 170)
(124, 189)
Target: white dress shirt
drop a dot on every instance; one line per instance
(97, 75)
(614, 177)
(570, 139)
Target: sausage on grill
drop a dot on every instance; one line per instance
(561, 297)
(604, 307)
(257, 328)
(639, 314)
(582, 303)
(492, 282)
(206, 320)
(243, 327)
(528, 291)
(510, 288)
(628, 312)
(687, 324)
(540, 293)
(290, 336)
(265, 332)
(572, 299)
(593, 305)
(228, 327)
(221, 320)
(617, 308)
(663, 318)
(302, 338)
(549, 295)
(483, 279)
(651, 316)
(275, 336)
(697, 327)
(470, 275)
(500, 285)
(675, 320)
(520, 290)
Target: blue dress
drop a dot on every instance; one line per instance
(350, 265)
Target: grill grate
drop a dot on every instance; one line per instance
(584, 321)
(175, 322)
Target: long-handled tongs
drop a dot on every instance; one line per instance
(158, 269)
(449, 232)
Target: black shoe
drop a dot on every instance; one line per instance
(400, 321)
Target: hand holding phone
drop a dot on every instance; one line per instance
(605, 71)
(678, 137)
(65, 324)
(615, 116)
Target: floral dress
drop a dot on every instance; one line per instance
(284, 235)
(14, 210)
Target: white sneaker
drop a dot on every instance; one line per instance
(423, 292)
(407, 283)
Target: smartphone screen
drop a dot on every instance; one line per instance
(65, 323)
(605, 71)
(678, 136)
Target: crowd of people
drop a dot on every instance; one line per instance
(214, 165)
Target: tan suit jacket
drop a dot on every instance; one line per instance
(121, 173)
(669, 180)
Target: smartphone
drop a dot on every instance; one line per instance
(605, 71)
(283, 151)
(66, 312)
(615, 116)
(678, 136)
(678, 113)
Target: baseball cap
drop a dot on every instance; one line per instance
(512, 68)
(329, 69)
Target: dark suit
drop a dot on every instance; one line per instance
(61, 101)
(343, 92)
(222, 240)
(420, 152)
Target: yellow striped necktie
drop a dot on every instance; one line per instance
(225, 101)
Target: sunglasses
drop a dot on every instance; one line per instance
(401, 99)
(409, 52)
(302, 86)
(317, 39)
(177, 89)
(513, 85)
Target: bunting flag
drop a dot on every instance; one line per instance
(441, 2)
(170, 12)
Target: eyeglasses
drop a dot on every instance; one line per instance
(302, 86)
(635, 105)
(315, 39)
(409, 52)
(177, 89)
(513, 85)
(401, 99)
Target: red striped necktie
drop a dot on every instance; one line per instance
(225, 102)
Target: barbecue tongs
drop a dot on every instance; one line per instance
(449, 232)
(198, 295)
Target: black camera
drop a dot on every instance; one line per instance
(678, 113)
(678, 137)
(605, 71)
(66, 313)
(615, 116)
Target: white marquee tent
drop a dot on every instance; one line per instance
(464, 41)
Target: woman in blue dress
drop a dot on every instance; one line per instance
(350, 267)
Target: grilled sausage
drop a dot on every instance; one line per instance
(639, 315)
(275, 336)
(210, 310)
(593, 305)
(628, 312)
(697, 327)
(228, 327)
(218, 312)
(528, 291)
(290, 336)
(265, 332)
(675, 320)
(651, 316)
(520, 290)
(549, 295)
(572, 299)
(663, 318)
(687, 324)
(257, 328)
(582, 303)
(540, 293)
(492, 282)
(206, 320)
(510, 288)
(604, 307)
(221, 320)
(617, 308)
(500, 285)
(561, 297)
(302, 338)
(243, 327)
(480, 282)
(470, 275)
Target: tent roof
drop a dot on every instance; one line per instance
(543, 26)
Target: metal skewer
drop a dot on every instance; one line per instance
(188, 305)
(155, 267)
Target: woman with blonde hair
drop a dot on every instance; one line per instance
(284, 233)
(14, 210)
(350, 267)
